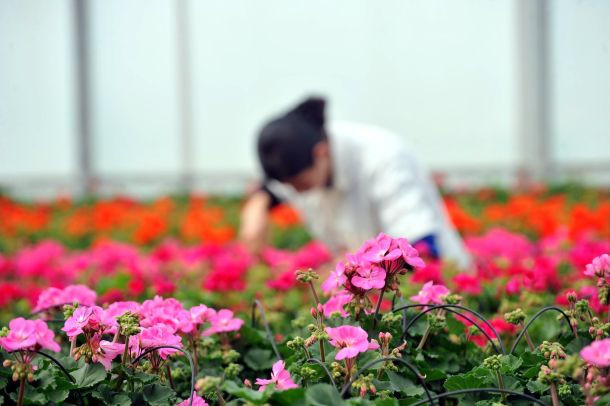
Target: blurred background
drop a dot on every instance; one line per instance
(162, 96)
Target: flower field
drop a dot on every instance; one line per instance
(125, 302)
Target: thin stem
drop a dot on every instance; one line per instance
(21, 391)
(379, 306)
(423, 340)
(529, 341)
(168, 372)
(501, 385)
(125, 359)
(193, 341)
(313, 291)
(322, 357)
(554, 395)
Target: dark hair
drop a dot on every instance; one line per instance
(285, 144)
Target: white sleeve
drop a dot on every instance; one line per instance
(399, 197)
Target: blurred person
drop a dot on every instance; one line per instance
(349, 182)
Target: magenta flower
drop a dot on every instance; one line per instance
(52, 297)
(223, 322)
(350, 340)
(44, 336)
(409, 254)
(197, 401)
(431, 294)
(87, 319)
(279, 376)
(600, 267)
(155, 336)
(380, 249)
(196, 316)
(336, 302)
(106, 352)
(335, 280)
(369, 276)
(28, 335)
(598, 353)
(166, 311)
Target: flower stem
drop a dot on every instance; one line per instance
(554, 396)
(501, 385)
(313, 291)
(530, 343)
(378, 307)
(168, 372)
(423, 340)
(322, 358)
(195, 360)
(21, 391)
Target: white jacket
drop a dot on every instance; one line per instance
(378, 186)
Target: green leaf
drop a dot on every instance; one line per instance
(386, 402)
(120, 400)
(244, 393)
(259, 359)
(57, 395)
(157, 394)
(290, 397)
(537, 387)
(510, 363)
(323, 394)
(467, 381)
(89, 375)
(401, 384)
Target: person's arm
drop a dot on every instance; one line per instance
(254, 224)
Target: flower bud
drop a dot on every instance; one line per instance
(313, 313)
(571, 296)
(30, 377)
(248, 383)
(15, 376)
(373, 389)
(362, 391)
(7, 363)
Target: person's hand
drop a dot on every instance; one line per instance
(254, 221)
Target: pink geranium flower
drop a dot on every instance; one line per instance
(106, 351)
(52, 297)
(336, 304)
(88, 320)
(431, 294)
(380, 249)
(197, 401)
(600, 267)
(223, 322)
(279, 376)
(598, 353)
(155, 336)
(28, 335)
(196, 316)
(350, 340)
(369, 276)
(409, 253)
(336, 279)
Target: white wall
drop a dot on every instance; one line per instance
(37, 89)
(441, 73)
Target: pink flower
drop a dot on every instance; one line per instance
(598, 353)
(336, 279)
(28, 335)
(21, 335)
(380, 249)
(107, 351)
(336, 302)
(223, 322)
(79, 320)
(600, 266)
(279, 376)
(45, 337)
(431, 294)
(351, 341)
(163, 311)
(196, 316)
(155, 336)
(197, 401)
(467, 283)
(369, 276)
(410, 254)
(52, 297)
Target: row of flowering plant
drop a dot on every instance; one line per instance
(367, 337)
